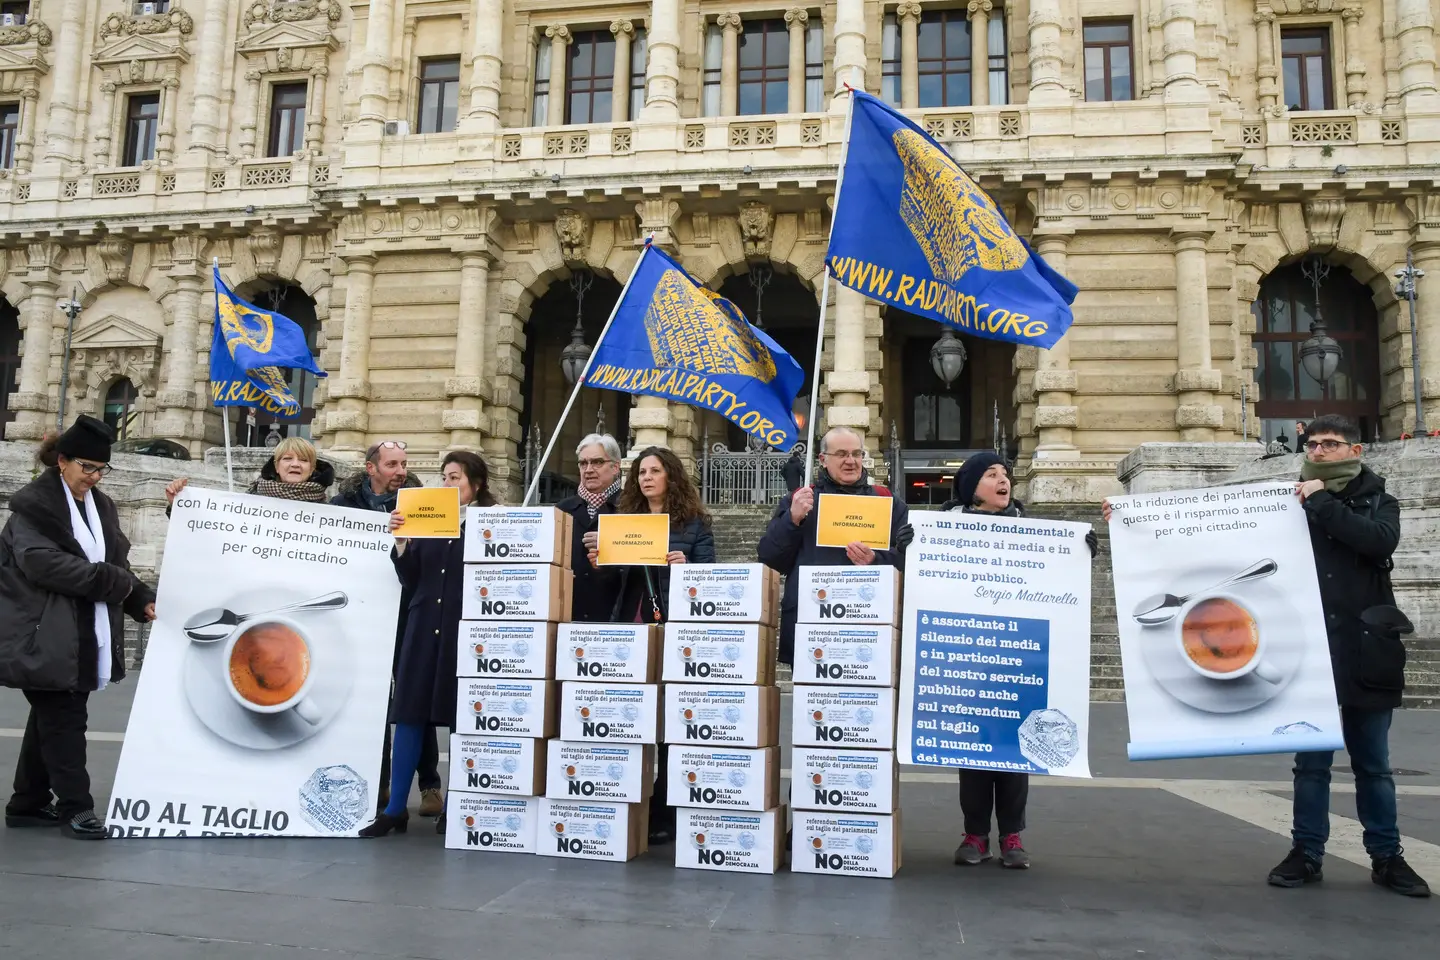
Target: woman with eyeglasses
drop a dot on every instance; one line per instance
(293, 472)
(65, 582)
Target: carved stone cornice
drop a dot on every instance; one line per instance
(119, 25)
(31, 31)
(290, 11)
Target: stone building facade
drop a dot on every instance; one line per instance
(446, 193)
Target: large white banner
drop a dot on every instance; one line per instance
(995, 645)
(261, 705)
(1221, 632)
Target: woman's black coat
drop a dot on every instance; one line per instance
(432, 572)
(695, 540)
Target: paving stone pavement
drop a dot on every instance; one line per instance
(1159, 860)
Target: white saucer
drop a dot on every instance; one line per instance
(207, 690)
(1284, 650)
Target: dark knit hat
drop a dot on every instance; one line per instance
(967, 478)
(87, 439)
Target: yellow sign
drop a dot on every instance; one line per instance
(845, 519)
(429, 511)
(636, 539)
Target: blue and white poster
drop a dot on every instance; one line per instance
(1221, 632)
(995, 647)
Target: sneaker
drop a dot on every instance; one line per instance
(46, 816)
(1395, 873)
(84, 826)
(1296, 870)
(972, 850)
(1012, 853)
(432, 804)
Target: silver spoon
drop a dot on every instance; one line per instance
(217, 623)
(1163, 607)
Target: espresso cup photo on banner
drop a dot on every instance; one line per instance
(261, 707)
(1222, 636)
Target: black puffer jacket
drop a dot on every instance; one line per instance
(639, 584)
(1354, 534)
(595, 589)
(48, 587)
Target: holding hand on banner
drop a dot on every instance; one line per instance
(859, 554)
(802, 501)
(1305, 489)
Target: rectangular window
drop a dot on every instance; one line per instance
(764, 67)
(287, 118)
(814, 68)
(639, 53)
(142, 118)
(540, 104)
(890, 60)
(943, 56)
(1305, 62)
(714, 53)
(14, 13)
(999, 59)
(439, 95)
(590, 81)
(149, 8)
(1108, 55)
(9, 131)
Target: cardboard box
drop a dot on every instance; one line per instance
(587, 830)
(531, 591)
(844, 717)
(861, 654)
(518, 535)
(730, 592)
(846, 844)
(610, 712)
(862, 781)
(849, 595)
(609, 652)
(719, 653)
(722, 716)
(507, 708)
(614, 773)
(510, 765)
(724, 778)
(481, 821)
(724, 840)
(506, 650)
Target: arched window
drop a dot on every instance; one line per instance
(293, 302)
(120, 411)
(9, 360)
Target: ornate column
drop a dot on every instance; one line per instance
(908, 14)
(249, 113)
(63, 108)
(1045, 23)
(346, 420)
(1415, 36)
(205, 133)
(624, 32)
(25, 139)
(662, 61)
(486, 48)
(1182, 77)
(315, 111)
(1269, 92)
(165, 131)
(32, 400)
(466, 389)
(730, 27)
(1427, 321)
(1056, 415)
(980, 52)
(559, 40)
(1196, 383)
(849, 48)
(100, 116)
(795, 20)
(1355, 85)
(848, 381)
(177, 393)
(375, 67)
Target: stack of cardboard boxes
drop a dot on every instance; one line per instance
(844, 783)
(517, 594)
(722, 717)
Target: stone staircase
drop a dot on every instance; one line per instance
(738, 530)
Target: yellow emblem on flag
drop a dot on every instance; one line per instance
(244, 326)
(689, 329)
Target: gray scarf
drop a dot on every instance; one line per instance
(1337, 474)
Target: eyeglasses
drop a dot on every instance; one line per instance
(1329, 446)
(374, 451)
(594, 464)
(91, 469)
(845, 454)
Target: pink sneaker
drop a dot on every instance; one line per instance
(974, 849)
(1012, 853)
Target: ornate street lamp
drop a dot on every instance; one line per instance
(947, 357)
(1320, 355)
(577, 351)
(1405, 290)
(761, 273)
(71, 308)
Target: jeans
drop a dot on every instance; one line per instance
(1367, 738)
(52, 755)
(984, 791)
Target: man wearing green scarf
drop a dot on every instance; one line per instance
(1354, 529)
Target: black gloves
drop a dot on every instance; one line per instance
(904, 536)
(1093, 542)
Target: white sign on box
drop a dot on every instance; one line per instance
(619, 773)
(723, 716)
(739, 842)
(513, 708)
(719, 653)
(513, 765)
(589, 830)
(846, 844)
(491, 824)
(505, 649)
(726, 778)
(538, 591)
(608, 652)
(736, 592)
(625, 713)
(844, 717)
(517, 535)
(865, 781)
(861, 654)
(849, 595)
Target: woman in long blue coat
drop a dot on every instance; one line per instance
(425, 685)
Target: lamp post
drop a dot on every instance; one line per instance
(577, 351)
(947, 357)
(1405, 290)
(761, 273)
(71, 308)
(1320, 355)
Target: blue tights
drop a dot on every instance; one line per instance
(404, 761)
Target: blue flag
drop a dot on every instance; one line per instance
(250, 348)
(913, 230)
(673, 338)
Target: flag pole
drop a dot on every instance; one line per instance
(580, 380)
(825, 296)
(224, 411)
